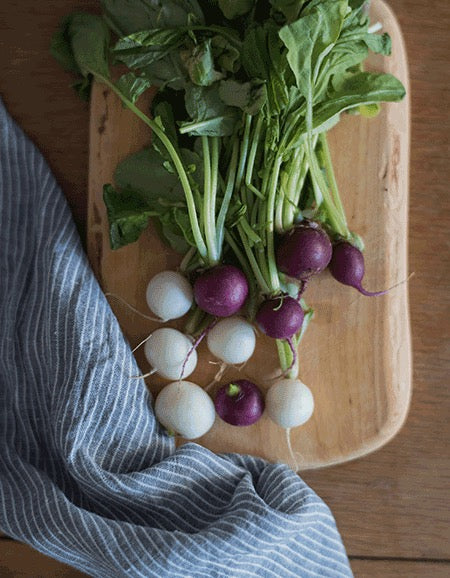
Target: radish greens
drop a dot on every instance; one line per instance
(247, 91)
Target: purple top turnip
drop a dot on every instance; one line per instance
(221, 291)
(239, 403)
(304, 251)
(347, 267)
(280, 317)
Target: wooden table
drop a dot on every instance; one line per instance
(391, 507)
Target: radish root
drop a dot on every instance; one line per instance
(124, 302)
(295, 465)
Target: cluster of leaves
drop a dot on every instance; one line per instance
(269, 75)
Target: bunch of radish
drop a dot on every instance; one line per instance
(221, 293)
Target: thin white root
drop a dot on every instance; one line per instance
(218, 376)
(295, 465)
(122, 300)
(241, 367)
(152, 372)
(141, 343)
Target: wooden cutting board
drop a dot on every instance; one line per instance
(356, 355)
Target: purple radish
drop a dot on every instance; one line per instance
(304, 251)
(239, 403)
(280, 317)
(347, 267)
(221, 291)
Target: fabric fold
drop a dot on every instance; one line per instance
(87, 476)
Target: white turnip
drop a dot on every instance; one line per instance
(184, 408)
(169, 295)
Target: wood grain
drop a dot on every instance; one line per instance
(21, 561)
(399, 569)
(356, 355)
(392, 503)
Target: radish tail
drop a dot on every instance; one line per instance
(218, 376)
(152, 372)
(377, 293)
(121, 300)
(295, 465)
(371, 293)
(141, 343)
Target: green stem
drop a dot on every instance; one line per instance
(244, 152)
(210, 240)
(281, 346)
(261, 219)
(210, 169)
(328, 164)
(321, 186)
(253, 263)
(233, 390)
(253, 237)
(215, 182)
(195, 319)
(202, 249)
(252, 154)
(282, 200)
(228, 194)
(297, 175)
(270, 226)
(243, 261)
(187, 259)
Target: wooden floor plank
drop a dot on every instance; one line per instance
(21, 561)
(399, 569)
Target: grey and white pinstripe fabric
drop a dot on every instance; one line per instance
(86, 475)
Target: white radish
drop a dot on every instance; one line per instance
(232, 340)
(289, 403)
(185, 408)
(169, 295)
(167, 351)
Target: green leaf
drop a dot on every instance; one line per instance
(170, 231)
(155, 53)
(248, 96)
(147, 46)
(182, 219)
(132, 86)
(164, 118)
(210, 115)
(264, 58)
(81, 45)
(233, 8)
(200, 64)
(61, 49)
(144, 174)
(364, 88)
(89, 39)
(289, 8)
(128, 216)
(359, 90)
(379, 43)
(129, 16)
(255, 54)
(311, 38)
(83, 88)
(225, 54)
(167, 72)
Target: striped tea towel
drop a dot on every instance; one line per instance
(86, 474)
